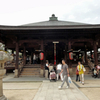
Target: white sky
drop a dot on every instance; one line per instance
(18, 12)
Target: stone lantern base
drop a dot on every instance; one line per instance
(16, 73)
(3, 98)
(2, 72)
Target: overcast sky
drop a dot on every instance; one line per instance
(18, 12)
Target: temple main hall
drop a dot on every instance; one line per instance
(56, 39)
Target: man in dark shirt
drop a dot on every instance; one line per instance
(46, 70)
(65, 74)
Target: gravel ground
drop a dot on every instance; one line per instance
(20, 94)
(21, 91)
(91, 93)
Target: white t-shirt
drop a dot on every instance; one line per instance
(59, 67)
(34, 57)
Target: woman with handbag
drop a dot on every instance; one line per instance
(77, 75)
(81, 70)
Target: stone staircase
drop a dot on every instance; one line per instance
(30, 70)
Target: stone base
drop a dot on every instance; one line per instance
(16, 73)
(3, 98)
(41, 72)
(70, 71)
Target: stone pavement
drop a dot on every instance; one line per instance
(22, 86)
(89, 84)
(91, 88)
(91, 93)
(50, 91)
(10, 78)
(21, 90)
(86, 77)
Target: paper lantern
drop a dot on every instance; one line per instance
(71, 55)
(41, 56)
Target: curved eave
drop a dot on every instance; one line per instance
(49, 27)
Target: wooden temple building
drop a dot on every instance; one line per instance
(44, 36)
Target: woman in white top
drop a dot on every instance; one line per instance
(59, 67)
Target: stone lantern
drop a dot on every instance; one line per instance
(4, 56)
(2, 72)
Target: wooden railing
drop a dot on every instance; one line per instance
(21, 65)
(90, 64)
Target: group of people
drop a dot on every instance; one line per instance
(63, 72)
(49, 68)
(96, 71)
(35, 58)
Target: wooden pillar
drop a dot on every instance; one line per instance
(17, 61)
(42, 62)
(42, 46)
(95, 54)
(31, 57)
(69, 48)
(69, 45)
(42, 49)
(91, 54)
(70, 62)
(5, 48)
(65, 53)
(12, 51)
(45, 55)
(85, 56)
(17, 55)
(24, 55)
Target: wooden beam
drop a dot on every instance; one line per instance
(30, 41)
(12, 38)
(63, 40)
(82, 40)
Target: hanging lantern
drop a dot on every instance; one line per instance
(41, 56)
(92, 56)
(71, 55)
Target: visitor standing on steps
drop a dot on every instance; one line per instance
(47, 69)
(58, 68)
(34, 58)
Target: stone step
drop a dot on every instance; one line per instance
(30, 75)
(33, 65)
(30, 71)
(30, 68)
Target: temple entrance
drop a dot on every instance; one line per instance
(51, 52)
(32, 53)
